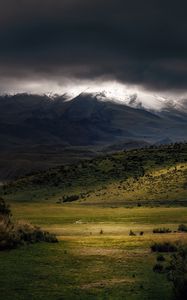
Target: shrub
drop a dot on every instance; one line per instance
(70, 198)
(33, 234)
(131, 233)
(161, 230)
(160, 257)
(182, 228)
(4, 208)
(12, 235)
(164, 247)
(176, 272)
(158, 268)
(9, 237)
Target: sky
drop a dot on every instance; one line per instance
(60, 45)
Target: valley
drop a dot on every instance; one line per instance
(104, 212)
(88, 264)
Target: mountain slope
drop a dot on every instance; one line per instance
(38, 132)
(85, 120)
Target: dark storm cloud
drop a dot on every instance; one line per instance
(137, 41)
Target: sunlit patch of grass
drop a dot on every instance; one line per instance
(158, 186)
(51, 214)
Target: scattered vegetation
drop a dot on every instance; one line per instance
(176, 272)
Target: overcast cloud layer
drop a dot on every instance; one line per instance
(141, 42)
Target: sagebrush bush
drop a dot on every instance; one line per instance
(160, 257)
(70, 198)
(14, 234)
(158, 268)
(9, 238)
(33, 234)
(176, 272)
(182, 228)
(131, 233)
(161, 230)
(4, 208)
(164, 247)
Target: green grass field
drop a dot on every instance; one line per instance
(86, 264)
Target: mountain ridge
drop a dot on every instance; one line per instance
(39, 117)
(30, 123)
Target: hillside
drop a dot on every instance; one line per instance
(153, 175)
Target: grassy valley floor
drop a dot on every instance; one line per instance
(95, 257)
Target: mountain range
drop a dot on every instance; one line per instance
(40, 131)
